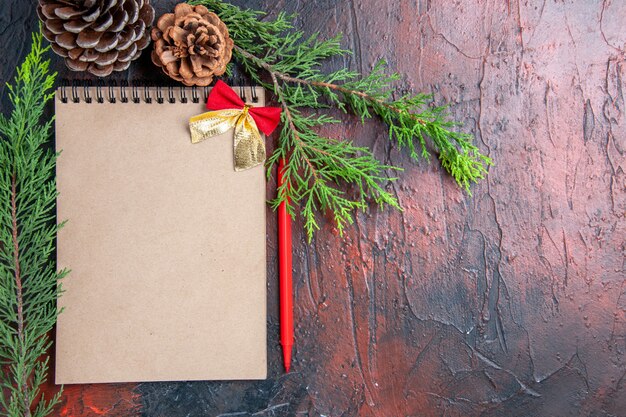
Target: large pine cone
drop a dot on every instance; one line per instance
(99, 36)
(191, 45)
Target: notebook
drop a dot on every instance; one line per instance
(164, 240)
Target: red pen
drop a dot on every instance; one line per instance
(285, 271)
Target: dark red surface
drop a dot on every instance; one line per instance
(100, 400)
(508, 303)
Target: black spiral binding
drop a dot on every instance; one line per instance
(101, 91)
(99, 98)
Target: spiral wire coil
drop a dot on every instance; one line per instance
(77, 91)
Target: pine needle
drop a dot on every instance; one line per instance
(28, 278)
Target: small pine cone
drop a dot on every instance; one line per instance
(98, 36)
(191, 45)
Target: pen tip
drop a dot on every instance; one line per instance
(287, 358)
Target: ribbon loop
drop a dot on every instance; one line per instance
(229, 111)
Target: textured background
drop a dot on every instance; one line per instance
(508, 303)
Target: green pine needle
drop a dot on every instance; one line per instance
(319, 169)
(28, 278)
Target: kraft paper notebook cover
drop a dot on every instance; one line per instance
(165, 242)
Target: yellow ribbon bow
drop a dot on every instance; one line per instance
(249, 148)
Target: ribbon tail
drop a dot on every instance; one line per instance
(249, 148)
(213, 123)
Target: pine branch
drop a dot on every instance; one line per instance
(317, 168)
(28, 280)
(409, 118)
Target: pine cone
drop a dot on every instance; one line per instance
(191, 45)
(99, 36)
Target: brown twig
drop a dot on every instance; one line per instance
(288, 78)
(291, 124)
(18, 285)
